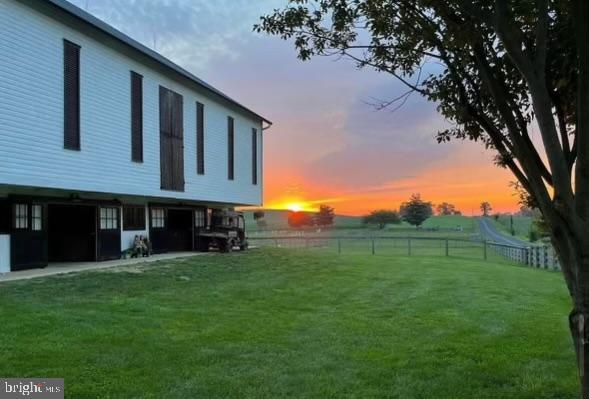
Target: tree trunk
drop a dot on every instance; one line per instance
(578, 324)
(574, 258)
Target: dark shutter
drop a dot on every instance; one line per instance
(230, 148)
(200, 137)
(254, 156)
(165, 138)
(71, 95)
(171, 140)
(178, 141)
(136, 117)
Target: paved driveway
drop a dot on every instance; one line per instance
(490, 232)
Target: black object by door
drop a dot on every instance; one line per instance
(28, 241)
(109, 233)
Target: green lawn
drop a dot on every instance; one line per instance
(276, 323)
(452, 222)
(521, 225)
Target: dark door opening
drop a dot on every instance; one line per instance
(180, 230)
(72, 233)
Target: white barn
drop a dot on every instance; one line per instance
(103, 139)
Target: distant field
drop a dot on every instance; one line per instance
(436, 226)
(278, 220)
(521, 225)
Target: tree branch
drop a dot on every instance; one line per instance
(541, 37)
(511, 38)
(581, 145)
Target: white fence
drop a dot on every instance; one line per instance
(539, 256)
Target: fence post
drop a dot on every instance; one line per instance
(372, 246)
(528, 256)
(447, 248)
(485, 249)
(339, 246)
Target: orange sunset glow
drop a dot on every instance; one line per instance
(466, 184)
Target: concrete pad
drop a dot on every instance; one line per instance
(63, 268)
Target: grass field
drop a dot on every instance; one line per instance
(453, 226)
(285, 323)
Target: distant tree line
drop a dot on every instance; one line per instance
(323, 218)
(415, 211)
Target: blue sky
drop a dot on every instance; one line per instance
(327, 144)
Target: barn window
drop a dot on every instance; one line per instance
(254, 156)
(230, 148)
(200, 218)
(71, 95)
(136, 117)
(200, 139)
(158, 218)
(21, 216)
(109, 218)
(133, 217)
(37, 217)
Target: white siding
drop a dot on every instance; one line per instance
(4, 253)
(31, 120)
(127, 237)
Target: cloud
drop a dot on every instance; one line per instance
(190, 32)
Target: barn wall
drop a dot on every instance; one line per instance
(32, 153)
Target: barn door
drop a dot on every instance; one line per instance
(158, 229)
(109, 233)
(28, 241)
(171, 140)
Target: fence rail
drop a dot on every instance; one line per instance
(539, 256)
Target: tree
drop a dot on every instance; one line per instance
(486, 208)
(446, 209)
(382, 217)
(259, 215)
(416, 211)
(299, 219)
(525, 211)
(505, 65)
(325, 216)
(259, 218)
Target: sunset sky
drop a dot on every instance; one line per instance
(327, 145)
